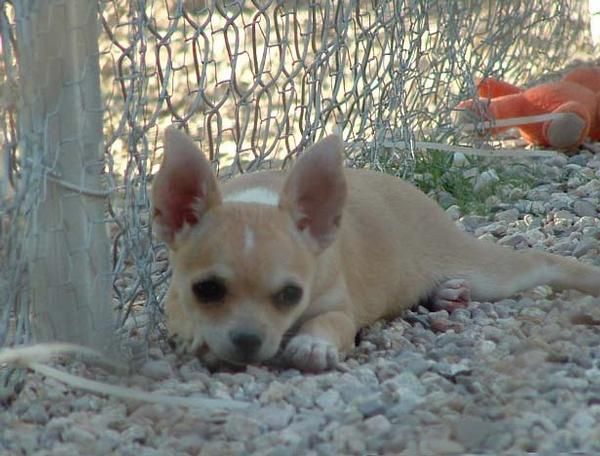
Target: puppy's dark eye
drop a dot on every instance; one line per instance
(288, 296)
(211, 290)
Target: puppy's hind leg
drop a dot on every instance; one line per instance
(495, 272)
(451, 295)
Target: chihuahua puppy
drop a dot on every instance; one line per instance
(311, 256)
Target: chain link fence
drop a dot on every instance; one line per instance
(254, 82)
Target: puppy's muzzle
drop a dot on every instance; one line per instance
(247, 344)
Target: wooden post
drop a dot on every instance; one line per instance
(60, 130)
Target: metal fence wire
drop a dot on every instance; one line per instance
(254, 82)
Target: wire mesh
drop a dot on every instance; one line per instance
(254, 82)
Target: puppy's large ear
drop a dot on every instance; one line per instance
(315, 192)
(184, 188)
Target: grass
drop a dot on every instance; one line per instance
(435, 171)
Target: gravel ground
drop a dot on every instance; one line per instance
(520, 375)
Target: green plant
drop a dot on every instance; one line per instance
(436, 172)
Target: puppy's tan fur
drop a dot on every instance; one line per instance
(360, 245)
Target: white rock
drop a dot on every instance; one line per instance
(507, 216)
(157, 370)
(240, 427)
(277, 415)
(328, 400)
(584, 208)
(485, 180)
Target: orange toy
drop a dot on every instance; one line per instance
(578, 94)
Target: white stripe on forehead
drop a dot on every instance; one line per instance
(248, 239)
(256, 195)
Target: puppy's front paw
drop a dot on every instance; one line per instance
(181, 345)
(311, 354)
(190, 347)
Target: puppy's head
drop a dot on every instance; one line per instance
(243, 271)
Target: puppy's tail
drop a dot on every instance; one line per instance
(494, 272)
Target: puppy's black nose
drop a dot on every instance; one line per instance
(246, 343)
